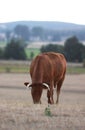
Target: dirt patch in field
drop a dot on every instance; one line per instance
(17, 111)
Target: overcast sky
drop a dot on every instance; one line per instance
(72, 11)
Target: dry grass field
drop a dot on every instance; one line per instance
(17, 111)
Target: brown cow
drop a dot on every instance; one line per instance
(47, 70)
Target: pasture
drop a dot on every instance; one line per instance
(17, 111)
(13, 66)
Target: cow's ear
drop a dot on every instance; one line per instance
(26, 83)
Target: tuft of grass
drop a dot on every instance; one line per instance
(48, 112)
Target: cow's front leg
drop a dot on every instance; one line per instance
(50, 97)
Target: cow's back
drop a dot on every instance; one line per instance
(48, 67)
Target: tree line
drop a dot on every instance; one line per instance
(14, 50)
(73, 50)
(38, 33)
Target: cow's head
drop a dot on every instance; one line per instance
(36, 90)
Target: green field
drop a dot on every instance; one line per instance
(23, 67)
(75, 70)
(14, 66)
(14, 69)
(32, 51)
(2, 44)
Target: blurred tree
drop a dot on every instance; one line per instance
(83, 53)
(15, 50)
(73, 50)
(31, 55)
(22, 32)
(56, 37)
(8, 32)
(38, 32)
(52, 47)
(1, 53)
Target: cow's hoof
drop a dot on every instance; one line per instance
(40, 102)
(49, 102)
(57, 102)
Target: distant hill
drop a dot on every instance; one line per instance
(56, 31)
(51, 25)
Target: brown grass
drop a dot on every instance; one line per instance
(17, 112)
